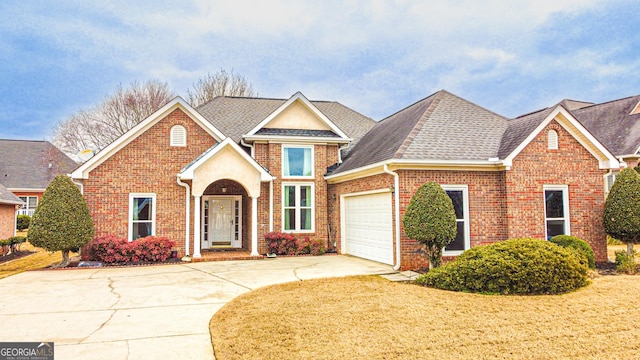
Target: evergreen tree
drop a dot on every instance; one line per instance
(62, 221)
(622, 209)
(431, 220)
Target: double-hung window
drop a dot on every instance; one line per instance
(142, 215)
(31, 203)
(459, 195)
(298, 208)
(297, 161)
(556, 210)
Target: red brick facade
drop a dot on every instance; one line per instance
(7, 220)
(505, 204)
(502, 203)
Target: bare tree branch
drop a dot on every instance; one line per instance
(222, 83)
(98, 127)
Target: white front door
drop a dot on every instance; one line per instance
(221, 221)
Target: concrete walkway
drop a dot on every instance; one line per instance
(154, 312)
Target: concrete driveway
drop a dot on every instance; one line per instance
(153, 312)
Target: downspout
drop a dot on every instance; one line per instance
(340, 148)
(396, 193)
(187, 218)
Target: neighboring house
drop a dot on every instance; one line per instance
(534, 176)
(27, 167)
(616, 124)
(8, 205)
(223, 175)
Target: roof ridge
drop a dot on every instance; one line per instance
(609, 102)
(416, 128)
(45, 141)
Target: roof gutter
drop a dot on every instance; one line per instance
(396, 193)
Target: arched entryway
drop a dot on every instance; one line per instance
(225, 213)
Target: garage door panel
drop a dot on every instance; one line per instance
(368, 227)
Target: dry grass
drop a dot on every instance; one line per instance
(372, 318)
(39, 260)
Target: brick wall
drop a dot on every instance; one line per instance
(146, 165)
(570, 165)
(7, 220)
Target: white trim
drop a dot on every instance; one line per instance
(297, 207)
(187, 219)
(608, 162)
(178, 136)
(254, 226)
(133, 196)
(292, 146)
(26, 190)
(299, 139)
(196, 226)
(565, 207)
(297, 97)
(188, 173)
(465, 219)
(83, 171)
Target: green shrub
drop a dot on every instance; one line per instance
(575, 243)
(626, 263)
(612, 241)
(430, 219)
(22, 222)
(516, 266)
(62, 221)
(621, 216)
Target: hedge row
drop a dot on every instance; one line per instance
(110, 249)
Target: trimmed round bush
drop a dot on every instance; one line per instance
(576, 243)
(516, 266)
(22, 222)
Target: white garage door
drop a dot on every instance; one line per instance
(368, 228)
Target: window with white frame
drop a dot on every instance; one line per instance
(178, 136)
(142, 215)
(556, 210)
(297, 207)
(610, 179)
(30, 205)
(297, 161)
(459, 195)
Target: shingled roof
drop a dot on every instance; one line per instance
(7, 197)
(236, 116)
(442, 126)
(613, 124)
(31, 164)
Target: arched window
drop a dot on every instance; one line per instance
(552, 138)
(178, 136)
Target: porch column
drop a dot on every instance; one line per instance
(254, 226)
(196, 227)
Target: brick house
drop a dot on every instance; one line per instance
(28, 166)
(8, 204)
(224, 174)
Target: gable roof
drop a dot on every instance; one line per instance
(237, 116)
(523, 130)
(7, 197)
(83, 171)
(441, 127)
(614, 124)
(31, 164)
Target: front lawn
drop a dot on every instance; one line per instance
(372, 318)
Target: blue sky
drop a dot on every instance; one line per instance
(377, 57)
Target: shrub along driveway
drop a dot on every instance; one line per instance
(154, 312)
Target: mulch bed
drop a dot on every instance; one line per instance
(608, 268)
(14, 255)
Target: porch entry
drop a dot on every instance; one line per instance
(221, 221)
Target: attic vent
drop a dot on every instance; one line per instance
(178, 136)
(552, 138)
(636, 110)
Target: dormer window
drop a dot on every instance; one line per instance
(297, 161)
(178, 136)
(552, 138)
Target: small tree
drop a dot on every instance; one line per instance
(622, 209)
(222, 83)
(431, 219)
(62, 221)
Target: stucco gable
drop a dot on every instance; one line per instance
(298, 113)
(178, 103)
